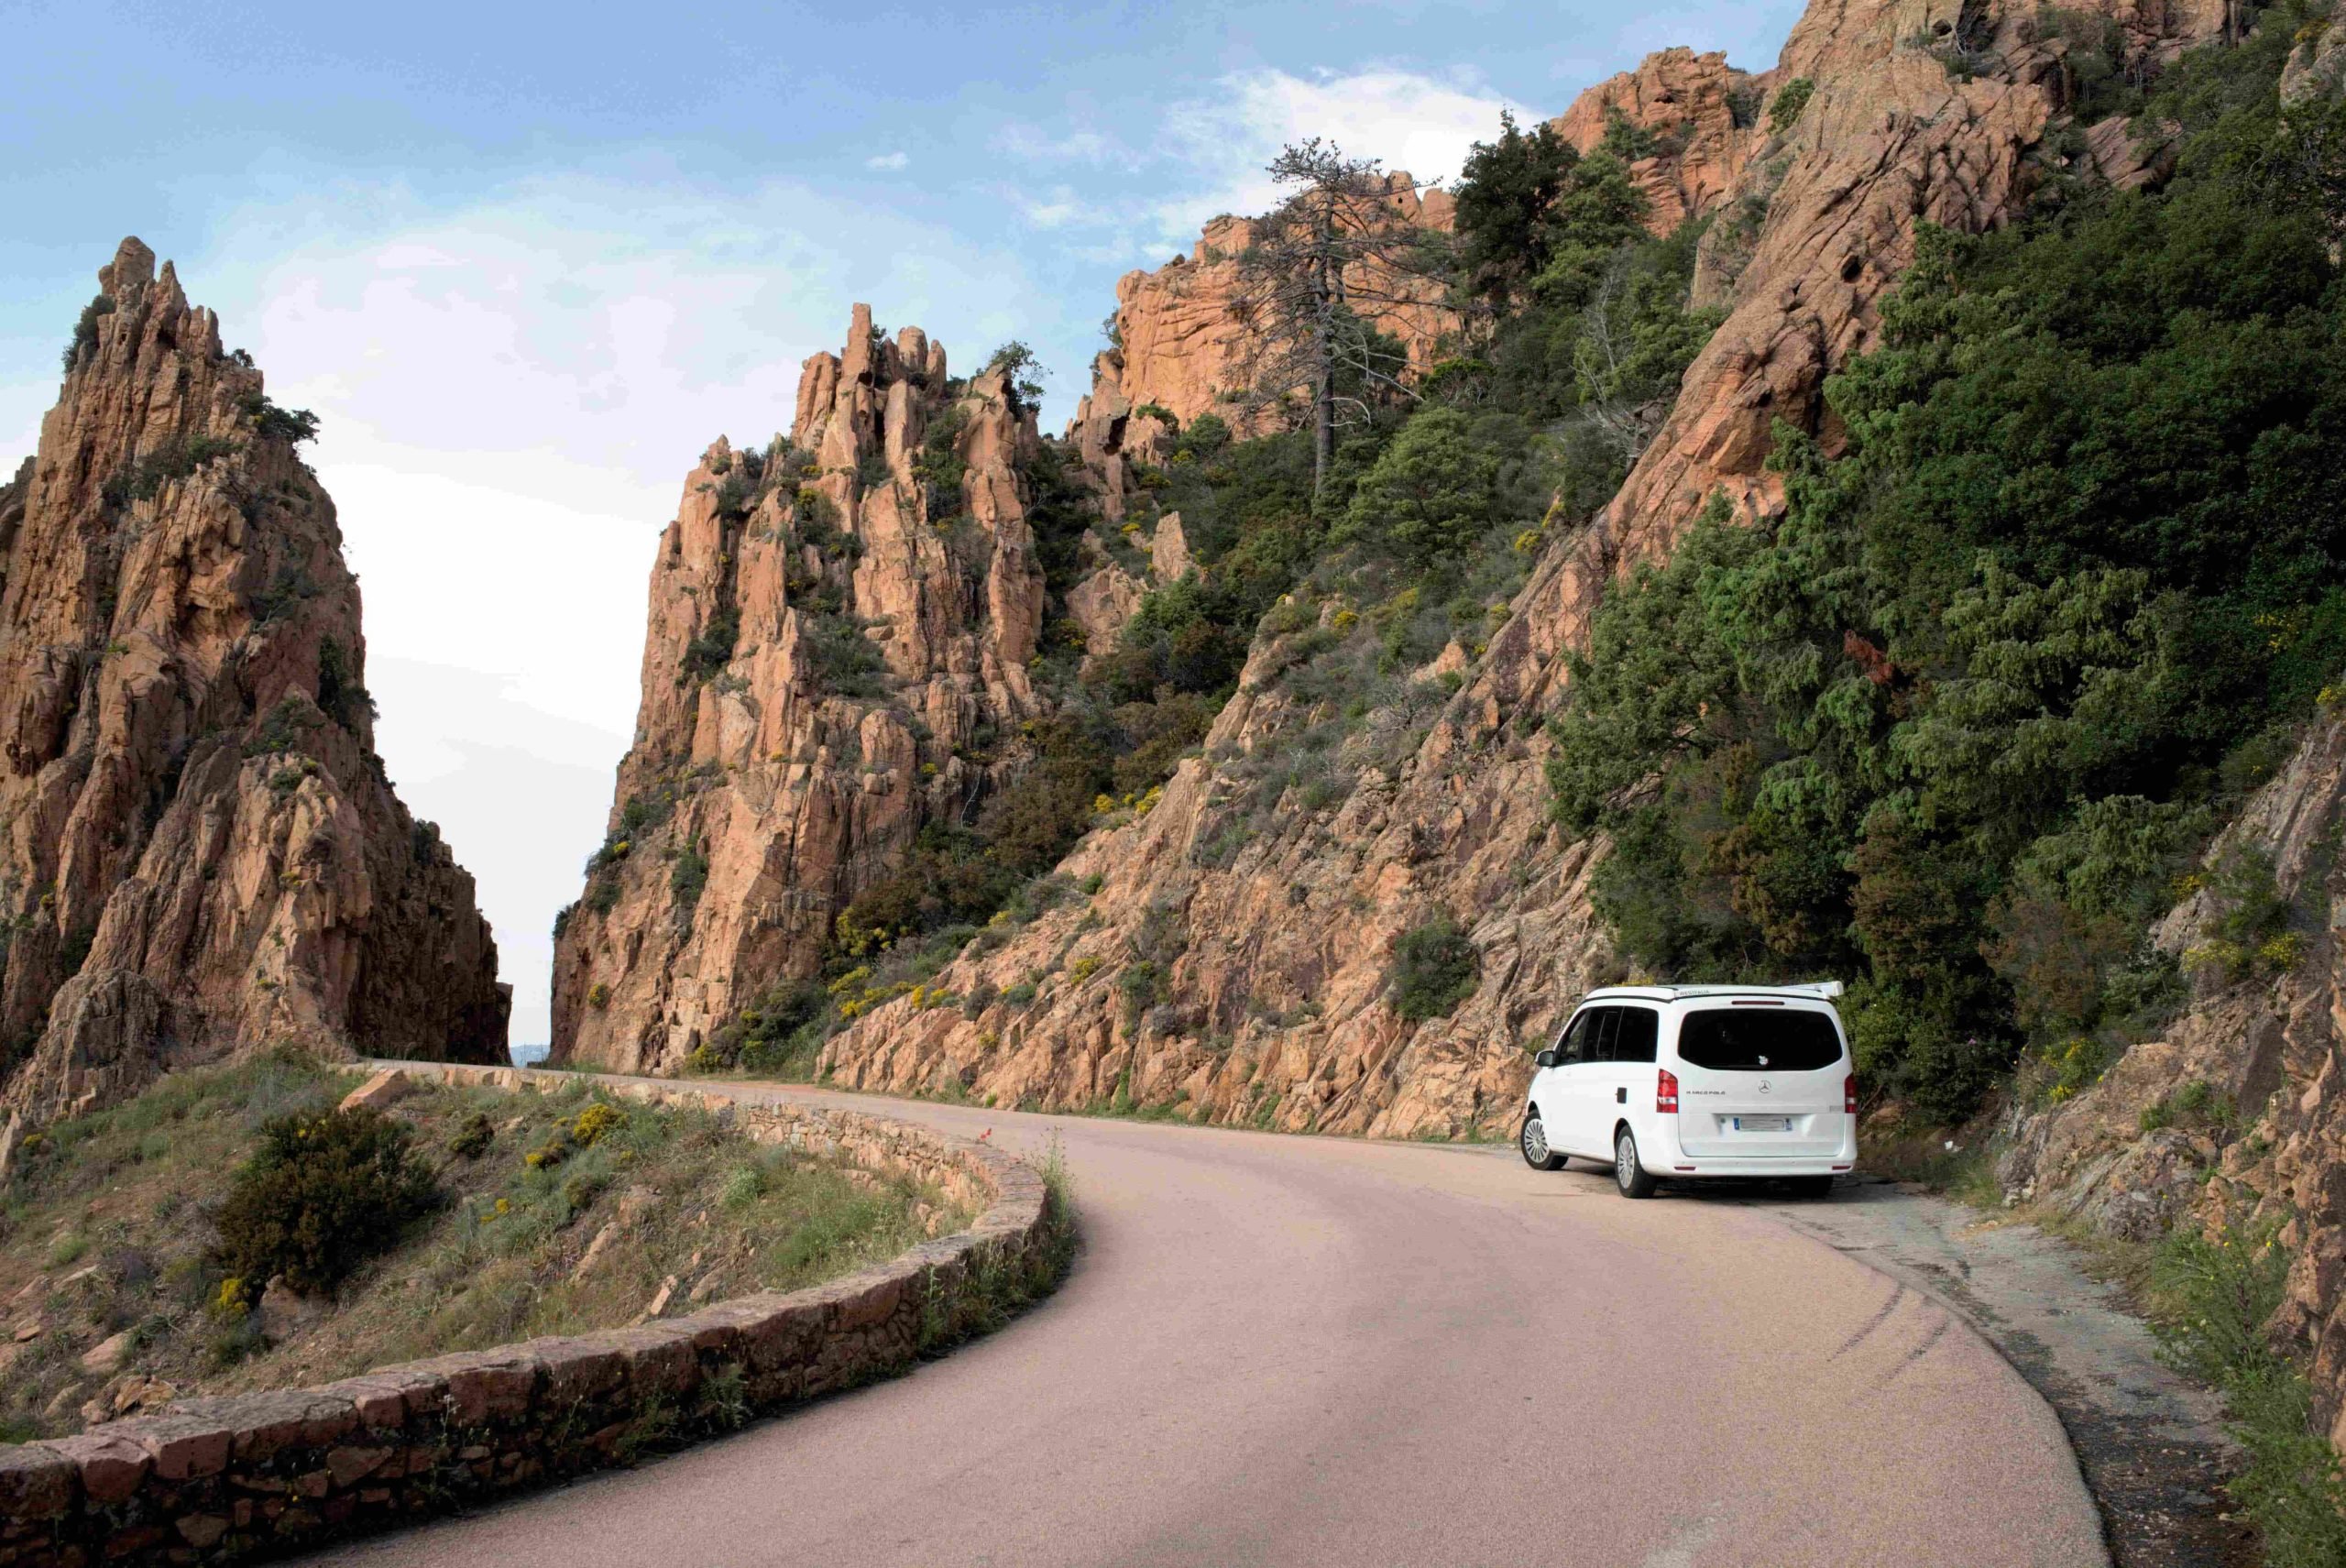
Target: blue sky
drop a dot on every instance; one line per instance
(527, 261)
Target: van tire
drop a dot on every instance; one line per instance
(1531, 1136)
(1632, 1177)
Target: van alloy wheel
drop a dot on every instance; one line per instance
(1632, 1177)
(1533, 1141)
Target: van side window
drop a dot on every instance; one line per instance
(1640, 1026)
(1571, 1046)
(1603, 1033)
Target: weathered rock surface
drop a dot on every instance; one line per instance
(2317, 67)
(1708, 116)
(771, 779)
(2272, 1058)
(1269, 930)
(200, 853)
(1178, 336)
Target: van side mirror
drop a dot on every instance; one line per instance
(1546, 1057)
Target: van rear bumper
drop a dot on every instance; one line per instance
(1794, 1164)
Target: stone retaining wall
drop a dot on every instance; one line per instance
(244, 1477)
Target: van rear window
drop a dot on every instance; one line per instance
(1758, 1040)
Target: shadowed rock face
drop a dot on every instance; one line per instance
(2272, 1049)
(199, 852)
(796, 783)
(1276, 934)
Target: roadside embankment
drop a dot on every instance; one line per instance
(238, 1478)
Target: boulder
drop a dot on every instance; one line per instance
(381, 1091)
(286, 1313)
(107, 1355)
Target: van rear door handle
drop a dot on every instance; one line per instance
(1621, 1096)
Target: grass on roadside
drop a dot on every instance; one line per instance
(554, 1212)
(2212, 1300)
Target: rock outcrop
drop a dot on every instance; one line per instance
(2317, 67)
(1178, 338)
(837, 656)
(1706, 119)
(2238, 1115)
(1268, 930)
(200, 853)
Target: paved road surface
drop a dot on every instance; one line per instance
(1302, 1351)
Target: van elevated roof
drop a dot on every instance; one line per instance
(1813, 991)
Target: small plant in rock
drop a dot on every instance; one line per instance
(1791, 99)
(1435, 968)
(725, 1398)
(323, 1195)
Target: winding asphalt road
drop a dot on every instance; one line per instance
(1304, 1351)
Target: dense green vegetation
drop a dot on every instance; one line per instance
(1956, 721)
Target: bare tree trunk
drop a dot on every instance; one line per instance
(1323, 415)
(1323, 382)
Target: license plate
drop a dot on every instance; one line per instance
(1763, 1124)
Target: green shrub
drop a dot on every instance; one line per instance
(1791, 99)
(86, 331)
(323, 1194)
(1435, 968)
(271, 422)
(712, 649)
(2214, 1299)
(341, 696)
(688, 879)
(142, 479)
(473, 1136)
(1431, 494)
(841, 656)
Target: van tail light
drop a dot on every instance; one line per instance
(1850, 1094)
(1665, 1092)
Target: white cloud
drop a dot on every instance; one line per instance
(1034, 143)
(1406, 119)
(1056, 210)
(1207, 154)
(896, 160)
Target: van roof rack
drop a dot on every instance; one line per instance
(1825, 989)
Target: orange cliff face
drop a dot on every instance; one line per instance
(1276, 955)
(1177, 336)
(200, 854)
(1707, 119)
(834, 638)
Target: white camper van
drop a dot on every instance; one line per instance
(1695, 1083)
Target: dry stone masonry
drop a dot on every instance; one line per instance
(236, 1478)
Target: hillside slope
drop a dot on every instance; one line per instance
(1239, 953)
